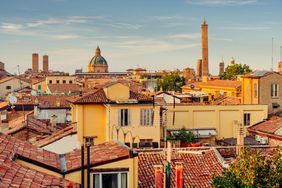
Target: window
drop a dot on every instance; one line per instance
(57, 81)
(124, 117)
(50, 81)
(70, 82)
(274, 90)
(8, 87)
(39, 87)
(255, 90)
(110, 180)
(64, 81)
(146, 117)
(247, 119)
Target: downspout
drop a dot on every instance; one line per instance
(108, 118)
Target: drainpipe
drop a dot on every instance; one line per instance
(109, 121)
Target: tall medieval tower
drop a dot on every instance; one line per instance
(205, 55)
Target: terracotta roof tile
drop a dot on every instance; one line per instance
(49, 101)
(99, 96)
(69, 130)
(63, 88)
(216, 83)
(101, 153)
(199, 167)
(268, 126)
(13, 174)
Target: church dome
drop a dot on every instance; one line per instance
(98, 59)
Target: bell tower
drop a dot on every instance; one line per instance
(205, 55)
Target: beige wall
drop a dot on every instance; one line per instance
(135, 129)
(60, 78)
(130, 163)
(91, 121)
(219, 117)
(264, 91)
(117, 92)
(15, 85)
(42, 84)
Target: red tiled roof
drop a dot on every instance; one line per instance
(5, 79)
(32, 124)
(229, 101)
(100, 154)
(99, 96)
(69, 130)
(216, 83)
(198, 168)
(269, 126)
(49, 101)
(63, 88)
(13, 174)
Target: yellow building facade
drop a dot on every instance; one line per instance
(216, 88)
(224, 119)
(116, 113)
(263, 87)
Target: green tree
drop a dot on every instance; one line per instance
(171, 82)
(252, 169)
(183, 135)
(232, 71)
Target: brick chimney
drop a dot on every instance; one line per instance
(158, 176)
(54, 122)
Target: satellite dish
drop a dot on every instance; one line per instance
(33, 93)
(12, 99)
(192, 87)
(221, 92)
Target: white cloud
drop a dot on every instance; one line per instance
(64, 37)
(48, 21)
(222, 2)
(247, 28)
(11, 27)
(186, 36)
(125, 26)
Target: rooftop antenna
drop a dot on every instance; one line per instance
(272, 54)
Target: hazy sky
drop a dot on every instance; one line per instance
(153, 34)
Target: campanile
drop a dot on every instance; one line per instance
(205, 55)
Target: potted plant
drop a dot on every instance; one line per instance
(186, 137)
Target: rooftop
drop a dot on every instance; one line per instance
(13, 174)
(215, 83)
(63, 88)
(270, 125)
(199, 166)
(258, 74)
(99, 96)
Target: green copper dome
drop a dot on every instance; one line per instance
(98, 59)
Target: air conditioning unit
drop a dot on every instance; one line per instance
(264, 140)
(257, 137)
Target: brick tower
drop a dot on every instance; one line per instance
(35, 63)
(45, 64)
(205, 55)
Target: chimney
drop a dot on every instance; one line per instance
(45, 64)
(169, 152)
(179, 180)
(158, 176)
(54, 122)
(240, 138)
(35, 63)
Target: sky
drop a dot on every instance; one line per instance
(152, 34)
